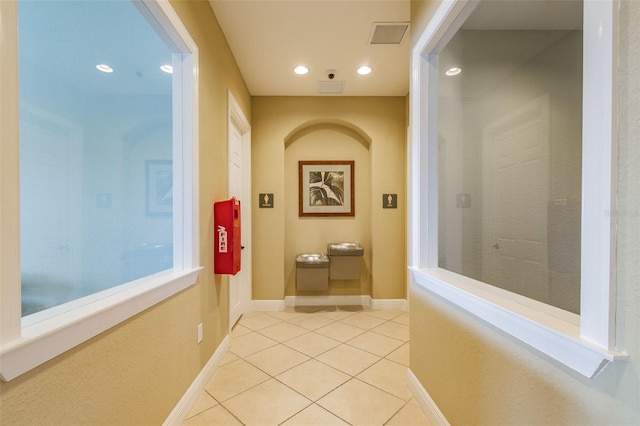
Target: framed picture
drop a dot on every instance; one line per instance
(159, 187)
(326, 188)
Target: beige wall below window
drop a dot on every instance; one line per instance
(136, 372)
(477, 375)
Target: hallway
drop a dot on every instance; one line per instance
(313, 366)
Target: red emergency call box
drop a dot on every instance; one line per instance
(227, 243)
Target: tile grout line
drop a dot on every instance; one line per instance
(351, 377)
(283, 343)
(338, 343)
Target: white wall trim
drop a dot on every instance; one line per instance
(542, 330)
(424, 400)
(180, 412)
(328, 300)
(268, 305)
(45, 340)
(599, 182)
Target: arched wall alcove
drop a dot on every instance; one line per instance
(328, 140)
(337, 125)
(371, 131)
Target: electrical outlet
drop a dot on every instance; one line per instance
(200, 333)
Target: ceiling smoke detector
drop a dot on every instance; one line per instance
(388, 32)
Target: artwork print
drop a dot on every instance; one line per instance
(159, 187)
(326, 188)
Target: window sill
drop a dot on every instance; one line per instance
(552, 331)
(44, 340)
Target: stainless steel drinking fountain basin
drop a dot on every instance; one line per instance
(345, 249)
(310, 260)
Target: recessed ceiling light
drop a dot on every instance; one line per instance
(104, 68)
(364, 70)
(167, 68)
(453, 71)
(301, 70)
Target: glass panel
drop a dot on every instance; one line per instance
(95, 149)
(509, 124)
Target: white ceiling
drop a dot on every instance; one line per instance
(269, 38)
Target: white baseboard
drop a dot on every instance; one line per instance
(390, 304)
(428, 406)
(181, 410)
(268, 305)
(328, 300)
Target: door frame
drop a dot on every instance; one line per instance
(236, 118)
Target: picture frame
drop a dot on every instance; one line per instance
(159, 188)
(326, 188)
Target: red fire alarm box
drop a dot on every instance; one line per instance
(226, 230)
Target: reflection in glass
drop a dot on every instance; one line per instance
(509, 148)
(94, 108)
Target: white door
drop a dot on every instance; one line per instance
(515, 195)
(239, 146)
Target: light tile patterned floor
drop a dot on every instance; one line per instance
(313, 366)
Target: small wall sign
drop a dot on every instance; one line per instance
(265, 201)
(389, 201)
(463, 201)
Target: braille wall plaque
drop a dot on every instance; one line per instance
(389, 201)
(265, 201)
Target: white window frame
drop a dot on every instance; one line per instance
(29, 342)
(586, 342)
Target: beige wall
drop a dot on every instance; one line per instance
(311, 235)
(136, 372)
(421, 13)
(370, 131)
(477, 375)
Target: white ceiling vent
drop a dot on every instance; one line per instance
(388, 32)
(330, 87)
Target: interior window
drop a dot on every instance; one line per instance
(510, 150)
(96, 181)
